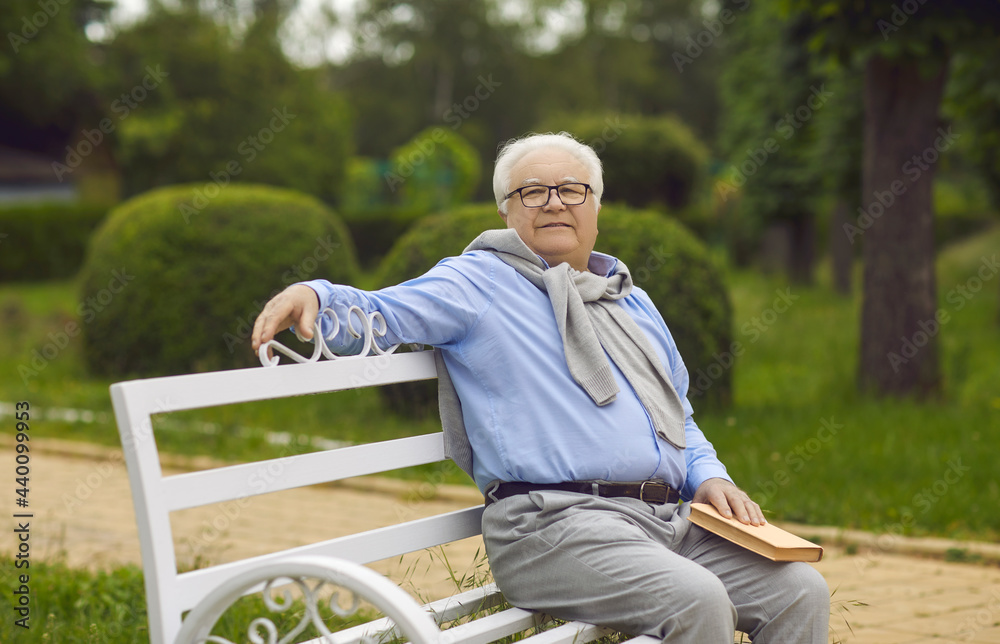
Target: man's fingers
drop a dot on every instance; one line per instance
(298, 304)
(730, 501)
(717, 497)
(735, 503)
(267, 324)
(745, 509)
(275, 317)
(305, 323)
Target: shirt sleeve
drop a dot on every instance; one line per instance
(438, 308)
(699, 455)
(700, 458)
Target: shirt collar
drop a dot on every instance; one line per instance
(602, 264)
(599, 264)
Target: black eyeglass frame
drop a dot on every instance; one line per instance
(586, 190)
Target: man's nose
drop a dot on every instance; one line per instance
(554, 202)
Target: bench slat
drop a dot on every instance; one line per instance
(569, 633)
(194, 489)
(364, 547)
(492, 627)
(450, 608)
(198, 390)
(442, 610)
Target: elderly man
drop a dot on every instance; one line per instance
(564, 397)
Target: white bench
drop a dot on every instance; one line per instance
(207, 592)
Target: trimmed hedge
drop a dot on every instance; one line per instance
(666, 260)
(435, 169)
(648, 160)
(47, 241)
(175, 278)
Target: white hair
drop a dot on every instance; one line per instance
(516, 149)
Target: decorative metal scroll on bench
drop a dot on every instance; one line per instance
(372, 326)
(367, 592)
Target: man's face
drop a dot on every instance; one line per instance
(556, 232)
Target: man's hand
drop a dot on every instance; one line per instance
(298, 304)
(730, 501)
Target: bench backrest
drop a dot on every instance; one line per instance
(169, 594)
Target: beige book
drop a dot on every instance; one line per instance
(767, 540)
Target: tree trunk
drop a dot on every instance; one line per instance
(840, 248)
(899, 348)
(802, 248)
(444, 88)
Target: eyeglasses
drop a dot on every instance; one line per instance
(571, 194)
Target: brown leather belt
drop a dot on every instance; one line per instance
(654, 492)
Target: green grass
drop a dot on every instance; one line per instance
(71, 605)
(917, 466)
(891, 465)
(109, 607)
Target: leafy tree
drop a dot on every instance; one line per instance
(642, 57)
(49, 84)
(606, 56)
(973, 100)
(445, 63)
(837, 158)
(906, 49)
(771, 97)
(225, 108)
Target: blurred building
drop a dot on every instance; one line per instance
(28, 177)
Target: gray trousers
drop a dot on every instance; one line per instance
(644, 569)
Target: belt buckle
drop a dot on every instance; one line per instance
(659, 491)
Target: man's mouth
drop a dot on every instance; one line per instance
(557, 225)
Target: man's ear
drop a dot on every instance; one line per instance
(503, 215)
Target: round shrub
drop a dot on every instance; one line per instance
(648, 160)
(435, 237)
(665, 259)
(175, 277)
(436, 169)
(675, 269)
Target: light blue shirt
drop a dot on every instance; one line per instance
(526, 418)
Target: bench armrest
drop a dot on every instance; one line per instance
(329, 573)
(372, 327)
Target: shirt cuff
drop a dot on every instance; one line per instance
(324, 294)
(701, 473)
